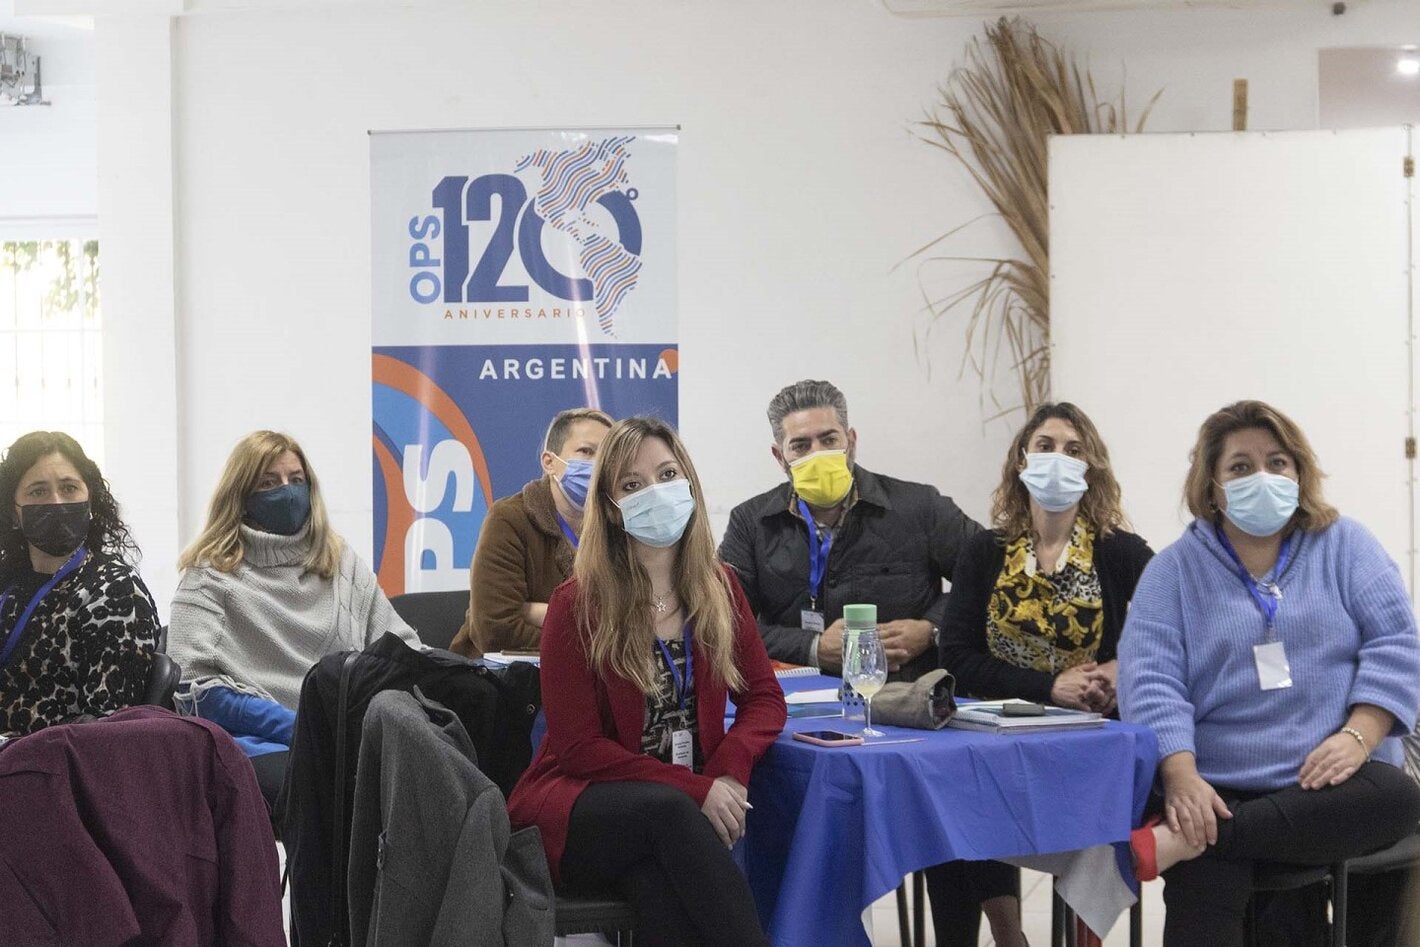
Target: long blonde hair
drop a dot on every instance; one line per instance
(1101, 506)
(220, 544)
(613, 609)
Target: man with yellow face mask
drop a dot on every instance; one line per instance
(834, 535)
(837, 534)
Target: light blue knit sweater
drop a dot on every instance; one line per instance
(1186, 666)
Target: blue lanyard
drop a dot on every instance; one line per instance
(19, 629)
(682, 684)
(818, 555)
(1268, 601)
(566, 530)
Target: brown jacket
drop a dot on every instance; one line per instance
(521, 557)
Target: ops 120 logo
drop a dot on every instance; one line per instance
(576, 191)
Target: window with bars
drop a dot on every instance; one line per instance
(51, 341)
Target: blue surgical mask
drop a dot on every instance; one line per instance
(282, 510)
(1055, 481)
(657, 515)
(575, 481)
(1262, 503)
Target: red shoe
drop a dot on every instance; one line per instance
(1141, 846)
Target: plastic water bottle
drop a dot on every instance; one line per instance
(856, 620)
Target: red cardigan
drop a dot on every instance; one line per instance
(594, 723)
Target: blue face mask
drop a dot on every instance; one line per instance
(657, 515)
(1055, 481)
(282, 510)
(575, 481)
(1262, 503)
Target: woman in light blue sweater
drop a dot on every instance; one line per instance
(1273, 650)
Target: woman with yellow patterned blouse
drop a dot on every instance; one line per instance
(1036, 608)
(1038, 603)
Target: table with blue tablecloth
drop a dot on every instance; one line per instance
(834, 829)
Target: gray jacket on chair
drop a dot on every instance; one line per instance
(433, 859)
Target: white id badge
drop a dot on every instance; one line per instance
(810, 620)
(1273, 673)
(682, 749)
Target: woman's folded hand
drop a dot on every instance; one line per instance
(1192, 806)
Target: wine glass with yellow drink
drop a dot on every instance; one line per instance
(865, 667)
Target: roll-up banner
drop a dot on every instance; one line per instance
(517, 272)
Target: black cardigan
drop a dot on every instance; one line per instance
(1119, 560)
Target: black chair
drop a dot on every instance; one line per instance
(916, 934)
(595, 916)
(163, 675)
(1277, 878)
(1063, 927)
(1403, 854)
(1269, 877)
(435, 616)
(163, 679)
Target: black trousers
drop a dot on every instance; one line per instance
(956, 890)
(651, 845)
(1206, 898)
(270, 777)
(270, 774)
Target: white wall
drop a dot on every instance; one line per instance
(142, 423)
(795, 166)
(48, 157)
(800, 189)
(1272, 265)
(1195, 56)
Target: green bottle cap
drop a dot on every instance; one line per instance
(860, 615)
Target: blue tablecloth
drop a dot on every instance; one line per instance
(834, 829)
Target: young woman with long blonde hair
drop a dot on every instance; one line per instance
(268, 589)
(638, 788)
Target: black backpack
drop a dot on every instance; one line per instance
(496, 706)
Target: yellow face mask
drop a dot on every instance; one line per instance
(822, 478)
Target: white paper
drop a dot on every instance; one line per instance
(824, 696)
(1273, 671)
(498, 657)
(682, 749)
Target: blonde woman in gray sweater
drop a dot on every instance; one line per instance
(268, 589)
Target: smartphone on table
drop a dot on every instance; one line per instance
(827, 738)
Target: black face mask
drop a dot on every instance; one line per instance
(56, 529)
(282, 510)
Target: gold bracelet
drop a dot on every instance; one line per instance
(1359, 739)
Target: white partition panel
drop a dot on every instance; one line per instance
(1193, 270)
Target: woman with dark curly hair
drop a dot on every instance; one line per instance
(77, 626)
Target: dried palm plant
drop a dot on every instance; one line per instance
(994, 116)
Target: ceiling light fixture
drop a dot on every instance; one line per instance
(1408, 65)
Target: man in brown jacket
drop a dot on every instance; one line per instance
(528, 540)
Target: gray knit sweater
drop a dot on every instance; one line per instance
(262, 626)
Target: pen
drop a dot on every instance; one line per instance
(886, 742)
